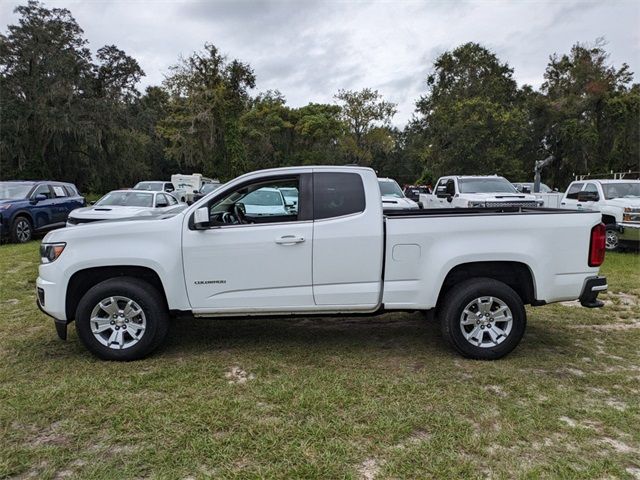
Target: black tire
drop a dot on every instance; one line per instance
(460, 296)
(612, 242)
(21, 229)
(151, 303)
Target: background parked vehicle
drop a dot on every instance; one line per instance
(189, 185)
(619, 203)
(29, 207)
(550, 198)
(120, 204)
(413, 192)
(477, 192)
(205, 189)
(393, 197)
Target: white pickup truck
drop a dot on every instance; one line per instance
(475, 192)
(337, 253)
(619, 203)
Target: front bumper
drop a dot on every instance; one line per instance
(629, 232)
(592, 287)
(50, 300)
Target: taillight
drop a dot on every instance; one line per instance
(597, 245)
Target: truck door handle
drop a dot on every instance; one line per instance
(563, 203)
(289, 239)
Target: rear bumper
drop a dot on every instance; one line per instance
(629, 232)
(592, 287)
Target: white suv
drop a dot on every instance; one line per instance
(619, 203)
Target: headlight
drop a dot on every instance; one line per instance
(49, 252)
(476, 204)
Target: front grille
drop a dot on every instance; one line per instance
(512, 204)
(77, 221)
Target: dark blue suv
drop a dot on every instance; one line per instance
(29, 207)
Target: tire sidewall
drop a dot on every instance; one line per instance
(462, 296)
(14, 229)
(148, 300)
(609, 229)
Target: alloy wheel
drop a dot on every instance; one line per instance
(118, 322)
(486, 322)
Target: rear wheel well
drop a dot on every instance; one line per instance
(515, 274)
(81, 281)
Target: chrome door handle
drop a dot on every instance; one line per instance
(289, 239)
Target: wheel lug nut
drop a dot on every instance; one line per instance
(117, 327)
(112, 322)
(481, 326)
(126, 320)
(124, 327)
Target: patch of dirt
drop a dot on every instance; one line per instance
(634, 472)
(573, 371)
(497, 390)
(237, 375)
(619, 446)
(369, 469)
(569, 421)
(48, 436)
(418, 436)
(616, 404)
(11, 301)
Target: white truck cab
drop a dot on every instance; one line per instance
(477, 192)
(619, 203)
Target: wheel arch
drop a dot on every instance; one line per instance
(515, 274)
(82, 280)
(608, 219)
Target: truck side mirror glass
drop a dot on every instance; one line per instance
(441, 191)
(201, 218)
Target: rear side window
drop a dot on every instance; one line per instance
(71, 192)
(573, 190)
(59, 191)
(337, 194)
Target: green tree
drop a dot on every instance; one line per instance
(207, 97)
(367, 116)
(472, 120)
(591, 113)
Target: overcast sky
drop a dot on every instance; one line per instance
(308, 50)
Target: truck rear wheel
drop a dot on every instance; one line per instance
(122, 319)
(483, 318)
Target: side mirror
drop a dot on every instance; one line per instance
(201, 218)
(449, 198)
(526, 190)
(38, 198)
(93, 202)
(588, 197)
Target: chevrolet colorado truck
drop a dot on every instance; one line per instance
(477, 192)
(619, 203)
(337, 253)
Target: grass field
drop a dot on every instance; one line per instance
(323, 398)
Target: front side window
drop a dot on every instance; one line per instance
(337, 194)
(260, 202)
(42, 190)
(161, 200)
(572, 193)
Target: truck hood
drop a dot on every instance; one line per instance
(389, 202)
(633, 202)
(499, 197)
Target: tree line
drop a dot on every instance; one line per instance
(70, 114)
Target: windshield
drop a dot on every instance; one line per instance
(126, 199)
(151, 186)
(621, 190)
(389, 188)
(486, 185)
(263, 197)
(14, 191)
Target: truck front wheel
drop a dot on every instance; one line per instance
(122, 319)
(483, 318)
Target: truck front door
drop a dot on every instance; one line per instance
(253, 258)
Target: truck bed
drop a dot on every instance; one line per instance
(484, 211)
